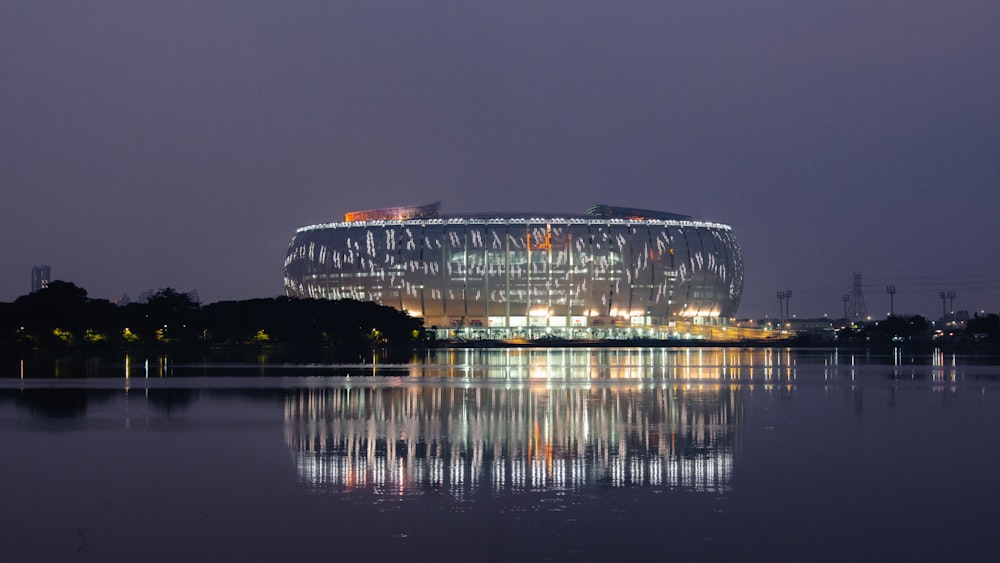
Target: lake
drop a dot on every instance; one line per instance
(536, 454)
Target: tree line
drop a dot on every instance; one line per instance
(63, 316)
(981, 329)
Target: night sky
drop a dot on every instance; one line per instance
(154, 144)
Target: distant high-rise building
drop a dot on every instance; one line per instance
(40, 277)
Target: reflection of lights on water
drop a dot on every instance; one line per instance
(939, 363)
(400, 473)
(456, 475)
(675, 425)
(721, 364)
(499, 475)
(579, 474)
(437, 468)
(517, 475)
(559, 474)
(523, 439)
(617, 472)
(655, 472)
(638, 470)
(538, 476)
(378, 472)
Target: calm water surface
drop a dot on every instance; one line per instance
(498, 455)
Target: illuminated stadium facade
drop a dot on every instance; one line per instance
(611, 272)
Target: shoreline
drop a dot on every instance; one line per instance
(307, 351)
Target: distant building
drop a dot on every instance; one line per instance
(40, 277)
(610, 272)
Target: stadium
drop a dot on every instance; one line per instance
(609, 273)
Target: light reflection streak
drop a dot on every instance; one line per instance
(525, 438)
(560, 364)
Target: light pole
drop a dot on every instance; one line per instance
(846, 298)
(891, 290)
(951, 304)
(781, 300)
(944, 310)
(788, 304)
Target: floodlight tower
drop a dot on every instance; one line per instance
(951, 304)
(781, 301)
(891, 290)
(846, 298)
(788, 304)
(944, 309)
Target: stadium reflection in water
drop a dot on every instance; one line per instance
(517, 435)
(766, 365)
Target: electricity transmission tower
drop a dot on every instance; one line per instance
(856, 308)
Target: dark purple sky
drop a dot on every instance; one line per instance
(153, 144)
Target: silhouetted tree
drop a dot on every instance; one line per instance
(344, 323)
(167, 317)
(987, 326)
(62, 312)
(62, 315)
(896, 328)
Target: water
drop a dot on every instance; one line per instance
(497, 455)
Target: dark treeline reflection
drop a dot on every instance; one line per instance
(514, 438)
(75, 402)
(57, 403)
